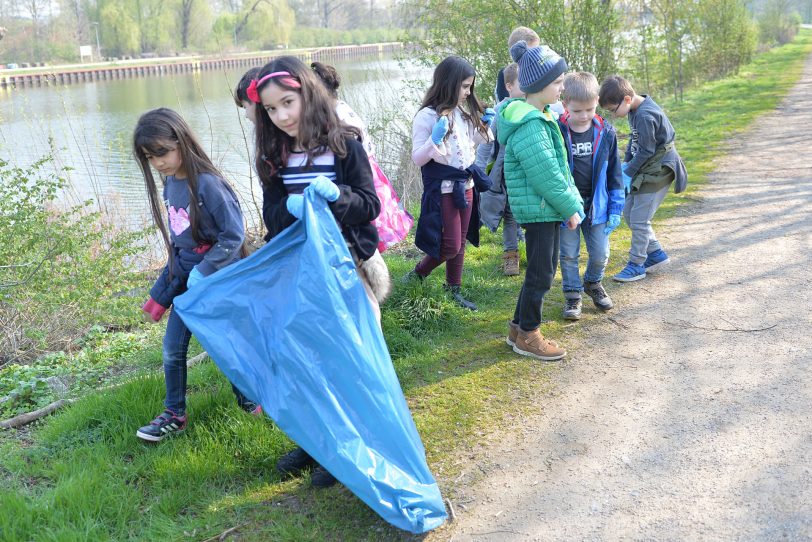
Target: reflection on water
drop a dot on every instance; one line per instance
(88, 126)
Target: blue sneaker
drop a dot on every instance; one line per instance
(655, 260)
(630, 273)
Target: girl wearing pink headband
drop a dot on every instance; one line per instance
(301, 143)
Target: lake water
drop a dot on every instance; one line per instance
(88, 126)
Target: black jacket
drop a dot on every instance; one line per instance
(355, 209)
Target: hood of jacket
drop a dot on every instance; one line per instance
(513, 115)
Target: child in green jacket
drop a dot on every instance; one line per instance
(540, 187)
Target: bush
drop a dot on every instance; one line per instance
(61, 267)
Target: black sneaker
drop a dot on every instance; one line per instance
(599, 296)
(167, 423)
(292, 463)
(251, 407)
(572, 308)
(320, 477)
(412, 276)
(461, 301)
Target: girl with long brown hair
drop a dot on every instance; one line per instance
(206, 233)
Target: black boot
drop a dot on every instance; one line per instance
(461, 301)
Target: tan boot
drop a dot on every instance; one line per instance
(534, 345)
(510, 263)
(513, 333)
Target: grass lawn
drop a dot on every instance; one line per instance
(83, 475)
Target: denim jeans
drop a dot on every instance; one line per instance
(597, 248)
(541, 240)
(638, 212)
(175, 349)
(510, 231)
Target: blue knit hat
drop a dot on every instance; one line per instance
(538, 66)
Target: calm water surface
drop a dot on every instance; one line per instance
(88, 126)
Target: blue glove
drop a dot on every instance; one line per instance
(582, 215)
(439, 131)
(612, 224)
(194, 277)
(627, 183)
(295, 205)
(325, 188)
(488, 116)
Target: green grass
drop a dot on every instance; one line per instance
(82, 475)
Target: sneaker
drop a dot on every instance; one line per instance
(510, 263)
(572, 308)
(254, 409)
(294, 462)
(461, 301)
(631, 273)
(534, 345)
(656, 260)
(320, 477)
(412, 276)
(512, 333)
(599, 296)
(167, 423)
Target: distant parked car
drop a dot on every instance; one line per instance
(12, 65)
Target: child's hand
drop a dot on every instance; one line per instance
(627, 183)
(612, 224)
(325, 188)
(152, 311)
(439, 131)
(573, 221)
(195, 276)
(488, 116)
(295, 205)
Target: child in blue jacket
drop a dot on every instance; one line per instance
(591, 145)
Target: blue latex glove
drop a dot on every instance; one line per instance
(325, 188)
(195, 276)
(295, 205)
(488, 116)
(627, 183)
(439, 131)
(612, 224)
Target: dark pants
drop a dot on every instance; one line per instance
(541, 241)
(176, 346)
(452, 244)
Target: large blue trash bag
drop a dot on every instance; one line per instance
(292, 328)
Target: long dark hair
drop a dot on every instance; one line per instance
(319, 127)
(444, 92)
(154, 130)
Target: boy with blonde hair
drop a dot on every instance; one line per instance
(651, 165)
(591, 145)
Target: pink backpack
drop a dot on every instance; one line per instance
(393, 223)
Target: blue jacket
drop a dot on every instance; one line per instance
(608, 194)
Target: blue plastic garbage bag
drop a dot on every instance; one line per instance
(292, 328)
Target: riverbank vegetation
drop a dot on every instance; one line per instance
(83, 475)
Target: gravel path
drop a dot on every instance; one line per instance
(689, 416)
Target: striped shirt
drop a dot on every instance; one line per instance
(296, 177)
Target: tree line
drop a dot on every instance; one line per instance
(53, 30)
(664, 45)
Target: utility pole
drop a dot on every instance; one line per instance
(98, 44)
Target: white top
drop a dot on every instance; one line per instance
(348, 116)
(458, 150)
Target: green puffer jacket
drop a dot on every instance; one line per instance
(538, 179)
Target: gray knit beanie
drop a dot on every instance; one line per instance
(538, 66)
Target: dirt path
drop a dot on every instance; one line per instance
(690, 418)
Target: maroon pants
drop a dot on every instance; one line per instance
(452, 243)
